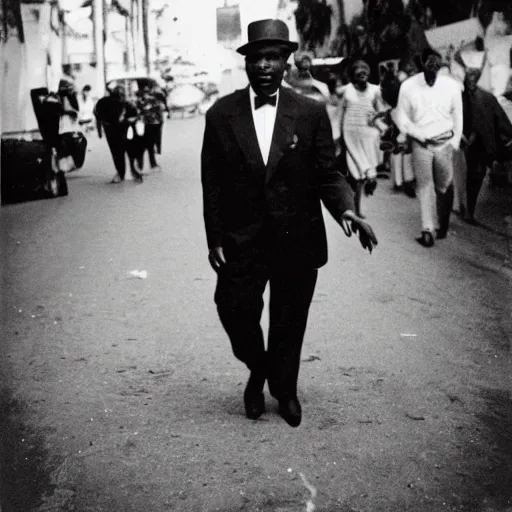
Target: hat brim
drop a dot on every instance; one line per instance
(252, 46)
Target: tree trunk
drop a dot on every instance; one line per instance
(145, 31)
(132, 34)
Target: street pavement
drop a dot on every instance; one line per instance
(120, 393)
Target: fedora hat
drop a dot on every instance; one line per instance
(267, 31)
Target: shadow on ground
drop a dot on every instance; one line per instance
(497, 422)
(24, 472)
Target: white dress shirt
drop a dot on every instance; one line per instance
(264, 120)
(427, 111)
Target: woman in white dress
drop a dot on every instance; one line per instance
(362, 103)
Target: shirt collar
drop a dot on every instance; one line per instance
(253, 95)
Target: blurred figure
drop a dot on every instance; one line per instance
(70, 106)
(485, 127)
(429, 110)
(302, 79)
(151, 110)
(401, 159)
(363, 49)
(161, 96)
(498, 48)
(86, 113)
(68, 125)
(361, 105)
(115, 115)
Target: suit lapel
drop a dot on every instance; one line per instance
(245, 132)
(283, 131)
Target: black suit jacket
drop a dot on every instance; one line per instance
(484, 116)
(277, 206)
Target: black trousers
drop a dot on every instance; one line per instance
(476, 171)
(239, 298)
(152, 136)
(116, 140)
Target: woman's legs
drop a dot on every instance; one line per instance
(358, 193)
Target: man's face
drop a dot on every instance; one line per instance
(410, 69)
(119, 93)
(471, 79)
(305, 64)
(432, 65)
(361, 76)
(265, 68)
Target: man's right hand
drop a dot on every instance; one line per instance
(216, 258)
(361, 228)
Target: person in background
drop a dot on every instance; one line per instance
(363, 48)
(361, 104)
(68, 124)
(401, 160)
(486, 126)
(86, 113)
(161, 96)
(302, 79)
(429, 110)
(70, 106)
(151, 111)
(115, 116)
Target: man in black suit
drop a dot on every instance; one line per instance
(267, 161)
(114, 115)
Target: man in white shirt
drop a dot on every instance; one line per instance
(429, 110)
(267, 165)
(86, 112)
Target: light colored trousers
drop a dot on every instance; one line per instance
(401, 168)
(433, 168)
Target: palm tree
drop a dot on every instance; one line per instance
(145, 32)
(10, 18)
(313, 20)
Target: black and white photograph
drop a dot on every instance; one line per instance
(256, 256)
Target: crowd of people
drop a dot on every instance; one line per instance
(434, 135)
(437, 135)
(132, 127)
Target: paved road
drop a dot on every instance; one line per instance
(121, 394)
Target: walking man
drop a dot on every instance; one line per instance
(151, 109)
(86, 112)
(267, 161)
(115, 115)
(486, 126)
(430, 111)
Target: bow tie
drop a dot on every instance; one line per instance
(259, 101)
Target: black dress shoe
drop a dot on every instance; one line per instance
(441, 234)
(290, 410)
(409, 188)
(254, 399)
(426, 239)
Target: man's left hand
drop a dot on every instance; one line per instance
(351, 223)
